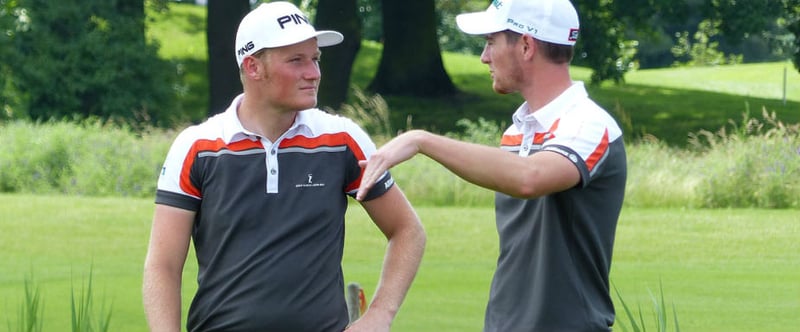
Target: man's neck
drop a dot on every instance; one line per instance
(545, 87)
(265, 121)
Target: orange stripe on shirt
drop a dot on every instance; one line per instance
(598, 152)
(511, 140)
(337, 139)
(205, 145)
(538, 138)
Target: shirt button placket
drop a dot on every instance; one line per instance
(272, 166)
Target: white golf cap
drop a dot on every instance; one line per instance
(277, 24)
(554, 21)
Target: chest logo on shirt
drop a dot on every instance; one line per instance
(309, 182)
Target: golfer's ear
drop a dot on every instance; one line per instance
(252, 67)
(527, 45)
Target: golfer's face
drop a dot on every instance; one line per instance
(293, 76)
(499, 56)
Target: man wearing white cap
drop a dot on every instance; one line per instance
(261, 191)
(559, 174)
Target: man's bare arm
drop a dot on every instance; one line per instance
(398, 221)
(489, 167)
(163, 267)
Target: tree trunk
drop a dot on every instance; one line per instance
(411, 62)
(337, 61)
(222, 22)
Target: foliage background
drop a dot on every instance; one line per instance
(79, 59)
(107, 68)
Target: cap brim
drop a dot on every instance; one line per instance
(480, 23)
(328, 38)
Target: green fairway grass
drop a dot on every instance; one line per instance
(724, 270)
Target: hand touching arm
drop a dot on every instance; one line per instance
(489, 167)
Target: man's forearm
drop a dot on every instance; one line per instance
(403, 256)
(162, 301)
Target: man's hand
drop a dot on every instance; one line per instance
(372, 321)
(398, 150)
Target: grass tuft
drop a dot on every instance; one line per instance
(31, 311)
(660, 314)
(84, 319)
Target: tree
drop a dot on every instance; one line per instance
(792, 23)
(411, 62)
(223, 75)
(9, 26)
(88, 58)
(337, 61)
(603, 45)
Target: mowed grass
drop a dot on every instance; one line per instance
(724, 270)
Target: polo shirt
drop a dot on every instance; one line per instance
(269, 228)
(555, 250)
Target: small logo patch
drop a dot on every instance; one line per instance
(309, 182)
(573, 34)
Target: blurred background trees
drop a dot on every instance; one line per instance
(80, 59)
(90, 58)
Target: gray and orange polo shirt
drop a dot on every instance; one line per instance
(269, 228)
(555, 250)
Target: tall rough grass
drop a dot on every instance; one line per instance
(661, 176)
(754, 163)
(87, 158)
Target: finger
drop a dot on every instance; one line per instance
(367, 182)
(365, 185)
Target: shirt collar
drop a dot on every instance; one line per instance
(233, 130)
(549, 113)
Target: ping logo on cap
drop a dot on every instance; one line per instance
(247, 47)
(296, 18)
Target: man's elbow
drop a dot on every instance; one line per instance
(525, 189)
